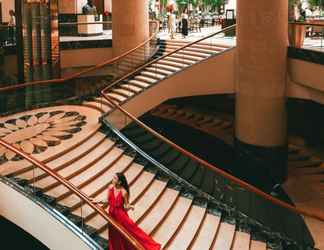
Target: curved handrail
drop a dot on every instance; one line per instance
(314, 214)
(77, 192)
(309, 23)
(96, 67)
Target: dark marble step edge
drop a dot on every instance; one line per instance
(27, 192)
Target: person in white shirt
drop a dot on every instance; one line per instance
(172, 23)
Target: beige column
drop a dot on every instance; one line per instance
(130, 24)
(262, 28)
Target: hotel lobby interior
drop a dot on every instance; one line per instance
(211, 110)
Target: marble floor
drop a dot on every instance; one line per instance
(107, 35)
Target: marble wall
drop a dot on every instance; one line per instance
(6, 6)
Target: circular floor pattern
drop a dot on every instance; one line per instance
(36, 131)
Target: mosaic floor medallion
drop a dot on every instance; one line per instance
(35, 132)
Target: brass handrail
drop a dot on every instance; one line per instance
(308, 23)
(77, 192)
(98, 66)
(314, 214)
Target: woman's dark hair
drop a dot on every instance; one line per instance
(123, 181)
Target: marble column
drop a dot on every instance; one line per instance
(130, 25)
(261, 59)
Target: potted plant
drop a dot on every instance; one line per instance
(296, 28)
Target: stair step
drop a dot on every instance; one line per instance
(67, 158)
(185, 55)
(145, 79)
(241, 241)
(258, 245)
(97, 105)
(167, 67)
(130, 87)
(178, 60)
(190, 53)
(141, 185)
(84, 161)
(158, 70)
(207, 232)
(100, 182)
(131, 174)
(81, 178)
(225, 236)
(172, 63)
(117, 97)
(12, 168)
(122, 92)
(188, 229)
(159, 211)
(147, 200)
(139, 84)
(153, 75)
(171, 223)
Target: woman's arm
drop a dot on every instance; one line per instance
(127, 206)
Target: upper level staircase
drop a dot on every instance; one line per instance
(164, 67)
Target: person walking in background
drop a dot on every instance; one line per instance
(184, 23)
(118, 202)
(172, 24)
(12, 27)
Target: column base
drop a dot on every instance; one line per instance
(264, 167)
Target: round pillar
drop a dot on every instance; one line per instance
(260, 124)
(130, 26)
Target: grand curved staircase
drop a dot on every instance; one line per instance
(179, 202)
(172, 215)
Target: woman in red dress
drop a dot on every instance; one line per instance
(118, 201)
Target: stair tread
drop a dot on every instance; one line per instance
(116, 96)
(173, 220)
(11, 167)
(85, 160)
(207, 232)
(131, 87)
(172, 63)
(159, 211)
(152, 74)
(141, 184)
(188, 229)
(189, 54)
(157, 70)
(145, 79)
(167, 67)
(67, 158)
(147, 199)
(131, 174)
(241, 241)
(139, 83)
(97, 105)
(224, 237)
(185, 55)
(99, 182)
(123, 92)
(178, 60)
(258, 245)
(104, 162)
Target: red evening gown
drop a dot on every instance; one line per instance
(117, 211)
